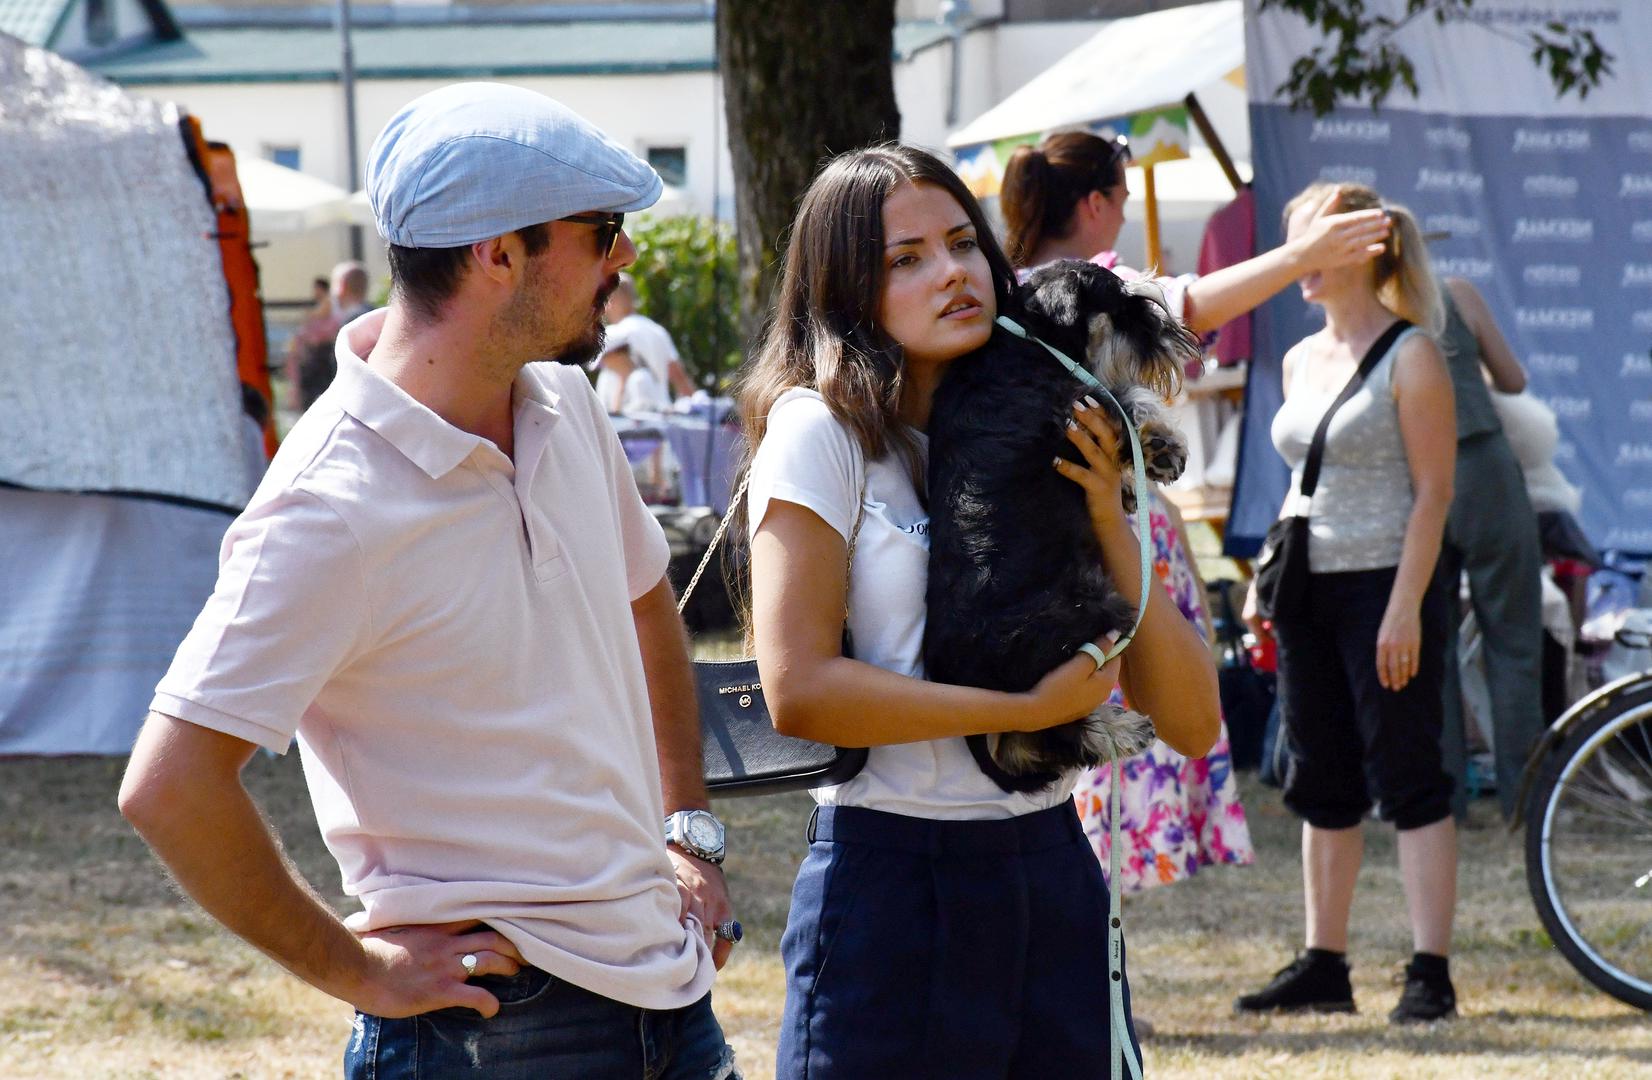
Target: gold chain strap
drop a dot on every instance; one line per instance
(722, 527)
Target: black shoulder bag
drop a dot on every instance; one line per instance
(742, 752)
(1282, 565)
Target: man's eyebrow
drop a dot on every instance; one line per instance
(918, 239)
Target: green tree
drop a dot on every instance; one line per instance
(1360, 56)
(685, 273)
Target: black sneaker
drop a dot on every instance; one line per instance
(1314, 982)
(1427, 997)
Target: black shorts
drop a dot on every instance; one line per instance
(1349, 741)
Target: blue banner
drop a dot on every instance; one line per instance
(1548, 207)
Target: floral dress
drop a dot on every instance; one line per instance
(1176, 813)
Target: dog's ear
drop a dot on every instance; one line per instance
(1103, 291)
(1055, 292)
(1163, 346)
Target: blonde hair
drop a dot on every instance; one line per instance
(1404, 278)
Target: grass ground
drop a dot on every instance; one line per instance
(105, 972)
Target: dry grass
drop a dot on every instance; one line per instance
(104, 972)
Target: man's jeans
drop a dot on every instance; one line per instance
(546, 1029)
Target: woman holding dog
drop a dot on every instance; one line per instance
(937, 923)
(1362, 658)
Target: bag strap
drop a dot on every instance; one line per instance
(722, 527)
(1316, 449)
(1124, 1054)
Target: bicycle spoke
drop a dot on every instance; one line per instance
(1605, 805)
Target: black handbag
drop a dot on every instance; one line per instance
(1282, 564)
(741, 751)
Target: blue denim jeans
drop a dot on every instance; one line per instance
(546, 1029)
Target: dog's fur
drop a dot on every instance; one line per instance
(1016, 581)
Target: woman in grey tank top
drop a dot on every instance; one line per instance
(1362, 667)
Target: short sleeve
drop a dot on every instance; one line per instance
(618, 335)
(1174, 288)
(668, 347)
(642, 541)
(289, 610)
(809, 458)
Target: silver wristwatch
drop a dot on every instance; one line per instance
(697, 832)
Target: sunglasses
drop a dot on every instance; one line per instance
(608, 226)
(1122, 154)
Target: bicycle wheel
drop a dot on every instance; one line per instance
(1589, 845)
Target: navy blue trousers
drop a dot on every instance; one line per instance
(947, 949)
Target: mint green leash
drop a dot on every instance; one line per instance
(1124, 1051)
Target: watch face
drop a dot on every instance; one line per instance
(703, 833)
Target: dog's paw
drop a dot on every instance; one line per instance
(1127, 490)
(1164, 452)
(1113, 734)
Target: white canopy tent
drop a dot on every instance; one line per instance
(1141, 77)
(283, 200)
(1128, 66)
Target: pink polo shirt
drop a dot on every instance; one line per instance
(450, 640)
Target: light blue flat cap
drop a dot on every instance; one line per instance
(477, 160)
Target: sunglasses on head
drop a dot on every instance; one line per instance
(608, 226)
(1121, 153)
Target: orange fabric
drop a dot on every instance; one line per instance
(246, 307)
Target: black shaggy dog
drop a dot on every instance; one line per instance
(1016, 581)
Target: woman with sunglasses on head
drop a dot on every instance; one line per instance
(1065, 197)
(938, 923)
(1362, 656)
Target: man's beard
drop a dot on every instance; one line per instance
(549, 345)
(588, 345)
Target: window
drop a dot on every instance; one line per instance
(671, 162)
(286, 156)
(100, 22)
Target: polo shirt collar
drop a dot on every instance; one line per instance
(425, 439)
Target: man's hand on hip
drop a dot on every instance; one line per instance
(704, 895)
(415, 969)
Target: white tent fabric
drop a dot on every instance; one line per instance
(96, 594)
(283, 200)
(1128, 66)
(117, 374)
(117, 357)
(1190, 189)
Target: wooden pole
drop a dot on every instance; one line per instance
(1155, 261)
(1197, 113)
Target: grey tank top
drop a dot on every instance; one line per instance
(1363, 503)
(1476, 415)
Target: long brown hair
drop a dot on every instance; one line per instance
(1403, 275)
(1043, 183)
(824, 334)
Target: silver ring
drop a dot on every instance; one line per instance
(468, 962)
(730, 931)
(1093, 651)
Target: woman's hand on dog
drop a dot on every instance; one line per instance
(1072, 691)
(1092, 432)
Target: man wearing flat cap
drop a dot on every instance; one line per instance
(448, 590)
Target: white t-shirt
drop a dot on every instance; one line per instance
(449, 635)
(807, 457)
(641, 392)
(650, 344)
